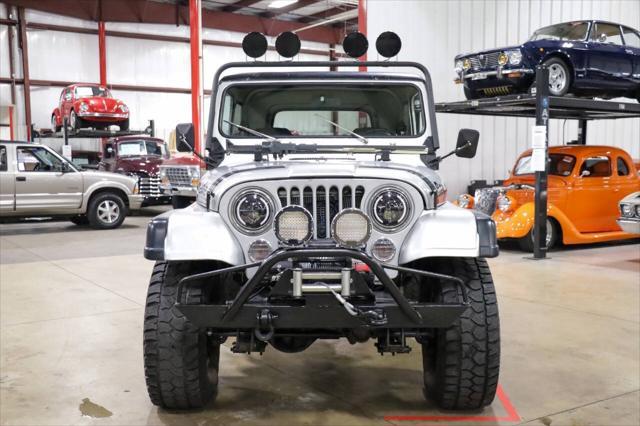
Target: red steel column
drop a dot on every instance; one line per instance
(102, 47)
(362, 25)
(195, 28)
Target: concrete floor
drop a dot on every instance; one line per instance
(71, 337)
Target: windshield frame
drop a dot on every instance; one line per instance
(585, 38)
(529, 155)
(420, 90)
(106, 91)
(132, 141)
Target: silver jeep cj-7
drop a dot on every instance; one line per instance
(311, 232)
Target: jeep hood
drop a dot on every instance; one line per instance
(219, 180)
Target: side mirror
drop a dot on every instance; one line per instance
(602, 38)
(185, 138)
(109, 151)
(65, 168)
(585, 173)
(467, 143)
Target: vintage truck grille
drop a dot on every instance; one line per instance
(485, 200)
(488, 60)
(324, 203)
(149, 186)
(178, 176)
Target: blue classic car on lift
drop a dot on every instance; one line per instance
(586, 58)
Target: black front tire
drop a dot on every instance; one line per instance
(462, 363)
(97, 205)
(471, 94)
(180, 202)
(180, 362)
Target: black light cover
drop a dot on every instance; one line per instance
(388, 44)
(254, 44)
(355, 44)
(288, 44)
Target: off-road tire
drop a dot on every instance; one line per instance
(526, 243)
(180, 202)
(462, 363)
(92, 211)
(180, 362)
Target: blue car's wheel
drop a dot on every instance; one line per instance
(559, 76)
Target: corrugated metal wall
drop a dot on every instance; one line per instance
(434, 31)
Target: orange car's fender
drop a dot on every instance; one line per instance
(517, 224)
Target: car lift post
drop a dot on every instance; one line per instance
(540, 203)
(582, 132)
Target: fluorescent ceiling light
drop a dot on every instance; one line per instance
(277, 4)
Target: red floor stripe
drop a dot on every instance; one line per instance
(512, 414)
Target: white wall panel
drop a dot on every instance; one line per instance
(54, 55)
(434, 31)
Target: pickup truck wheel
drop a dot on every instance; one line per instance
(526, 242)
(106, 211)
(180, 202)
(180, 362)
(462, 363)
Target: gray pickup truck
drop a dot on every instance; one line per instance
(35, 181)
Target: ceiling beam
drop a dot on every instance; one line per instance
(272, 13)
(165, 13)
(241, 4)
(326, 14)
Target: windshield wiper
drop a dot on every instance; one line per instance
(362, 138)
(253, 132)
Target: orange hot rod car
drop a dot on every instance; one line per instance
(585, 185)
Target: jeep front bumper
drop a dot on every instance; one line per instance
(388, 309)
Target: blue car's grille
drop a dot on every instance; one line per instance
(487, 60)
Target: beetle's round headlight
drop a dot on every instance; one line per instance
(259, 250)
(293, 225)
(351, 228)
(383, 249)
(390, 208)
(252, 211)
(627, 210)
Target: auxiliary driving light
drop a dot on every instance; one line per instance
(351, 228)
(288, 44)
(293, 225)
(254, 44)
(383, 249)
(355, 44)
(259, 250)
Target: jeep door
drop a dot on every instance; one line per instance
(44, 183)
(592, 204)
(608, 61)
(7, 182)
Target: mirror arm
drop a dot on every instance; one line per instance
(206, 160)
(455, 151)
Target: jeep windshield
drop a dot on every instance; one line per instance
(567, 31)
(321, 110)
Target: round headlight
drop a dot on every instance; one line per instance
(638, 210)
(504, 203)
(259, 250)
(465, 201)
(383, 249)
(84, 107)
(293, 225)
(503, 59)
(351, 228)
(458, 66)
(466, 64)
(627, 210)
(515, 57)
(252, 211)
(390, 208)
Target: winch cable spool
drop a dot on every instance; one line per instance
(388, 44)
(355, 44)
(254, 44)
(288, 44)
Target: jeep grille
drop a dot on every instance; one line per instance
(323, 202)
(178, 176)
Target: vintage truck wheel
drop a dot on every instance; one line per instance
(180, 361)
(461, 363)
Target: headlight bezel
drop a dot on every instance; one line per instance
(351, 244)
(503, 59)
(293, 242)
(505, 203)
(627, 214)
(265, 224)
(466, 64)
(84, 107)
(458, 66)
(514, 56)
(377, 222)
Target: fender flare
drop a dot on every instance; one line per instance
(104, 185)
(450, 231)
(192, 234)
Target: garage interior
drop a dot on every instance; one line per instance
(72, 298)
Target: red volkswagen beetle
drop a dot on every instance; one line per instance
(89, 105)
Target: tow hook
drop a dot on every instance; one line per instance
(373, 317)
(264, 328)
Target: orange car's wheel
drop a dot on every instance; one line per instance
(526, 242)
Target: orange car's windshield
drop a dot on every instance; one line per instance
(559, 165)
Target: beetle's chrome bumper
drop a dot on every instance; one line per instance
(629, 225)
(118, 116)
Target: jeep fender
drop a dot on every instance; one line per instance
(192, 234)
(450, 231)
